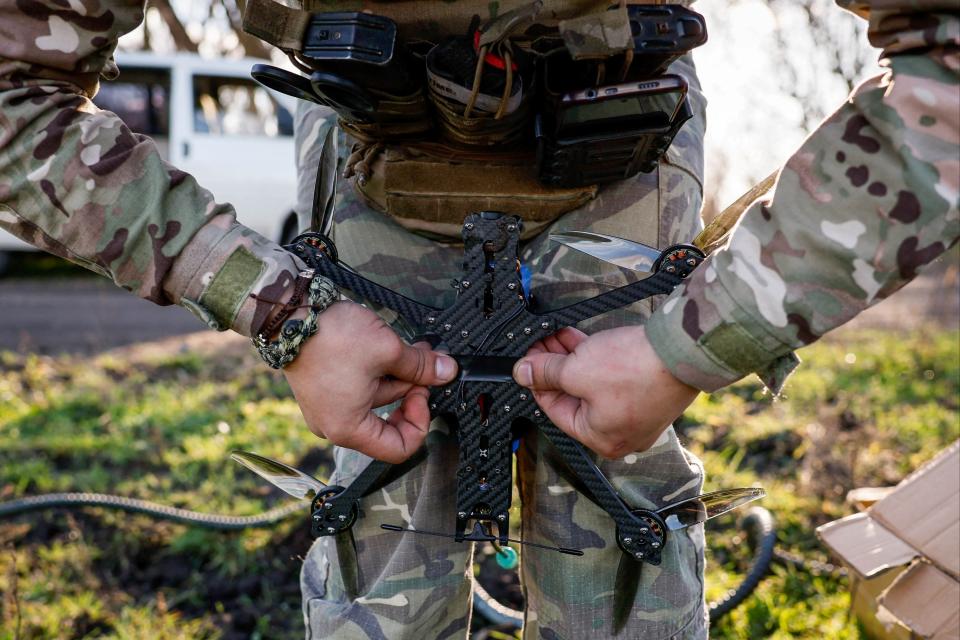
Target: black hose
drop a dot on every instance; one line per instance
(163, 512)
(762, 536)
(758, 524)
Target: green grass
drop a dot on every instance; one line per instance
(864, 409)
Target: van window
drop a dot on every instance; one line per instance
(237, 107)
(141, 97)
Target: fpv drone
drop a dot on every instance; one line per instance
(492, 324)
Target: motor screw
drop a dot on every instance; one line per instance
(462, 515)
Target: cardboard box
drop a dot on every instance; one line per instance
(903, 555)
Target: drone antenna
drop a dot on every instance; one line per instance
(480, 537)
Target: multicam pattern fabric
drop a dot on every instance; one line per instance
(387, 585)
(76, 182)
(868, 199)
(865, 202)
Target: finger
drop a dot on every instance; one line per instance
(379, 439)
(390, 391)
(413, 411)
(570, 415)
(570, 337)
(541, 371)
(560, 407)
(421, 366)
(553, 345)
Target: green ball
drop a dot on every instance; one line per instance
(507, 558)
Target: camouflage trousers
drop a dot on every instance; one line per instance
(393, 586)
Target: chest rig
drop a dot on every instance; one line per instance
(457, 107)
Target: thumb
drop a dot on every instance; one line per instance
(422, 367)
(541, 371)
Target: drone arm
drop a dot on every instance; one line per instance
(659, 283)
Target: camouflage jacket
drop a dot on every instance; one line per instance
(78, 183)
(868, 199)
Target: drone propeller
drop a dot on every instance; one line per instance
(676, 516)
(620, 252)
(685, 513)
(295, 482)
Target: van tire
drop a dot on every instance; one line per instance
(290, 229)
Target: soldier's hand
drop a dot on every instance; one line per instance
(355, 363)
(610, 391)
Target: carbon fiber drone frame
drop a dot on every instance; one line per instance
(488, 328)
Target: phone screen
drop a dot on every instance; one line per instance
(654, 109)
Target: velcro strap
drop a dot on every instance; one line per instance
(280, 25)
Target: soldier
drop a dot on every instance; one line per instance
(76, 182)
(866, 201)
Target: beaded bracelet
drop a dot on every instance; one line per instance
(282, 351)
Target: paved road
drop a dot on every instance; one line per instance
(88, 314)
(81, 315)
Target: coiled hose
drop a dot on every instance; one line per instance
(152, 509)
(758, 524)
(762, 536)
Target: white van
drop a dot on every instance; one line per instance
(213, 121)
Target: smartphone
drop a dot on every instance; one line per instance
(618, 107)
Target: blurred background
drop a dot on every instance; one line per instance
(100, 391)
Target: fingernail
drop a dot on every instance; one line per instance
(446, 367)
(524, 374)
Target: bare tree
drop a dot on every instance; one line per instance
(221, 18)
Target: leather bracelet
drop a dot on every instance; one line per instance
(293, 333)
(300, 287)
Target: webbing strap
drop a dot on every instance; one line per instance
(278, 24)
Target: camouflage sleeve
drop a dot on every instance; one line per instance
(866, 201)
(76, 182)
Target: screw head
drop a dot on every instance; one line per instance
(431, 320)
(523, 396)
(502, 517)
(692, 262)
(342, 518)
(537, 413)
(316, 516)
(506, 408)
(331, 530)
(462, 515)
(510, 335)
(511, 227)
(433, 406)
(463, 406)
(544, 325)
(655, 545)
(447, 326)
(448, 392)
(328, 506)
(671, 269)
(468, 226)
(464, 333)
(527, 331)
(628, 541)
(466, 284)
(511, 286)
(638, 555)
(644, 531)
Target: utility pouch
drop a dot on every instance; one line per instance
(430, 188)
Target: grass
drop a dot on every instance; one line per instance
(865, 409)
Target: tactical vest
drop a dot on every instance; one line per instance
(424, 158)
